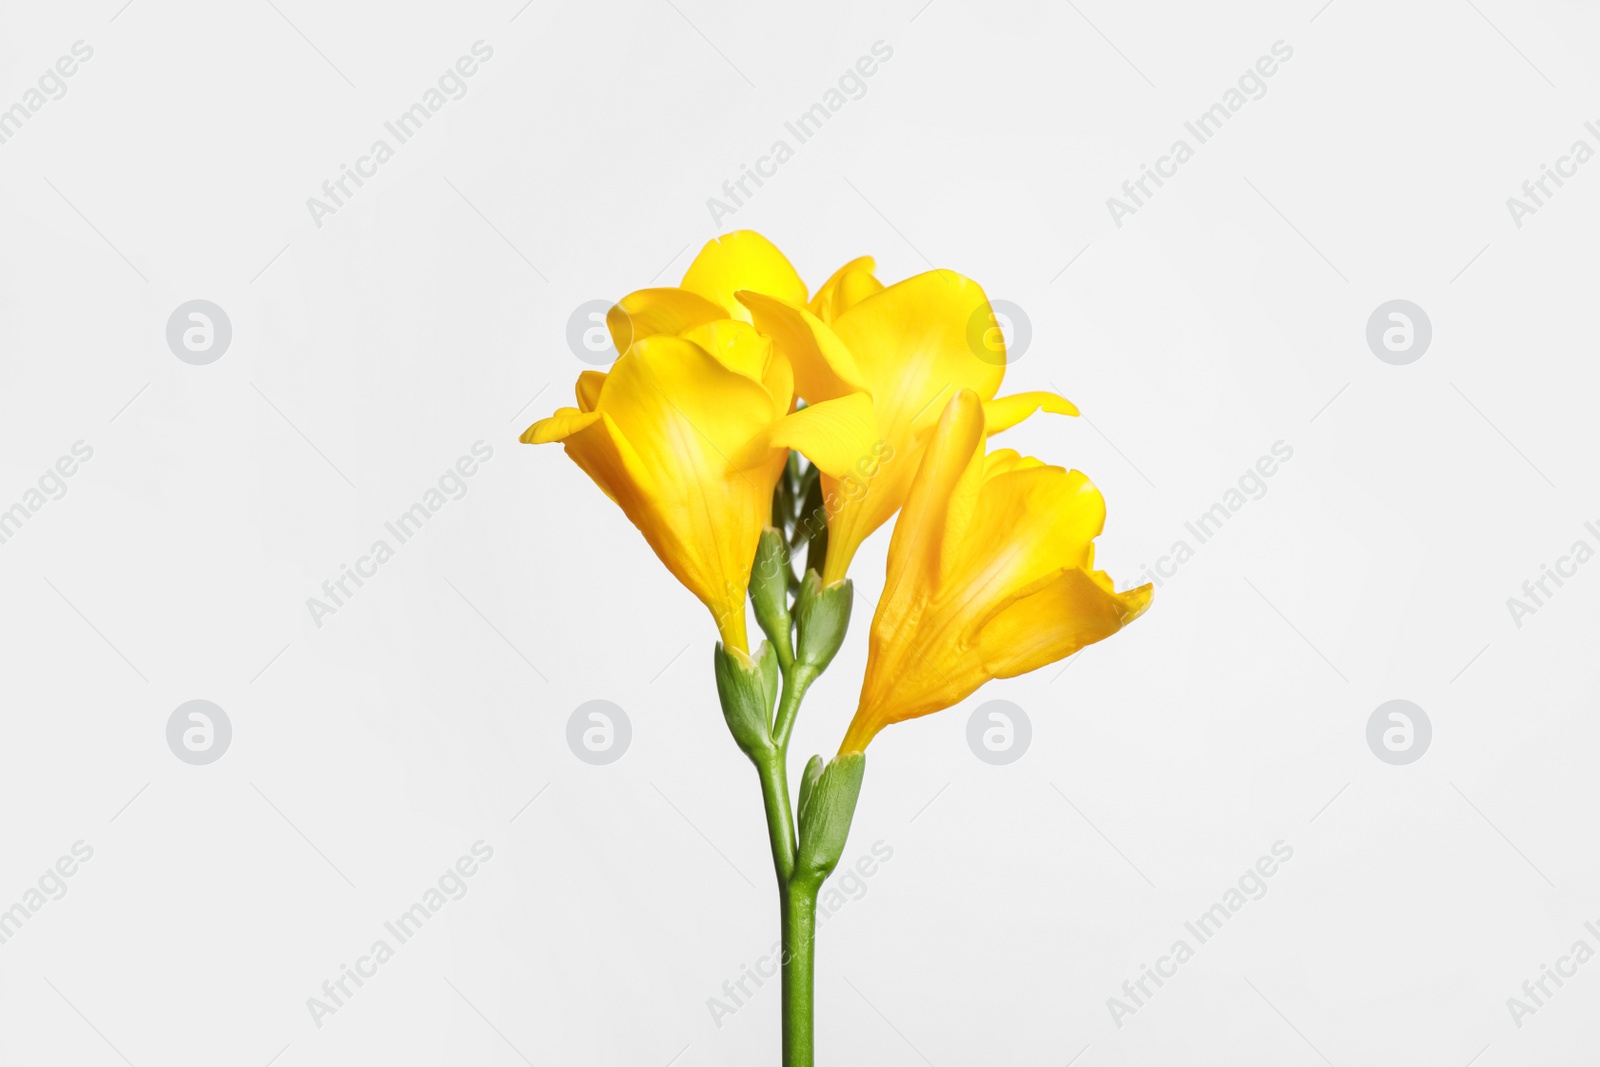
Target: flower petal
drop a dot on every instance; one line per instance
(588, 388)
(823, 367)
(686, 413)
(742, 348)
(592, 442)
(1004, 412)
(742, 260)
(736, 345)
(557, 427)
(940, 507)
(912, 347)
(1002, 460)
(1030, 522)
(838, 436)
(647, 312)
(850, 284)
(1068, 613)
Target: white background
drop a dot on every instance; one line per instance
(369, 354)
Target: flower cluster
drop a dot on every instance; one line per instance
(746, 419)
(724, 382)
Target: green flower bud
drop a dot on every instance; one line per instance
(828, 794)
(823, 613)
(748, 688)
(769, 591)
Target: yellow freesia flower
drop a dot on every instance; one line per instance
(909, 347)
(688, 435)
(991, 574)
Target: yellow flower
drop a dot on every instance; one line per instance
(909, 347)
(991, 574)
(688, 435)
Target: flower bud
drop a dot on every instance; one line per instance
(823, 613)
(769, 589)
(748, 688)
(828, 793)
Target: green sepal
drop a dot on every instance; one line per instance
(748, 689)
(826, 810)
(823, 614)
(771, 677)
(808, 779)
(769, 591)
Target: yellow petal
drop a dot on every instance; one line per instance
(588, 388)
(941, 506)
(684, 411)
(850, 284)
(1005, 412)
(557, 427)
(736, 345)
(742, 260)
(1002, 460)
(742, 348)
(1030, 522)
(838, 436)
(1067, 614)
(593, 443)
(823, 367)
(911, 345)
(648, 312)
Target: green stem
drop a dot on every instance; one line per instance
(797, 678)
(798, 899)
(799, 960)
(780, 819)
